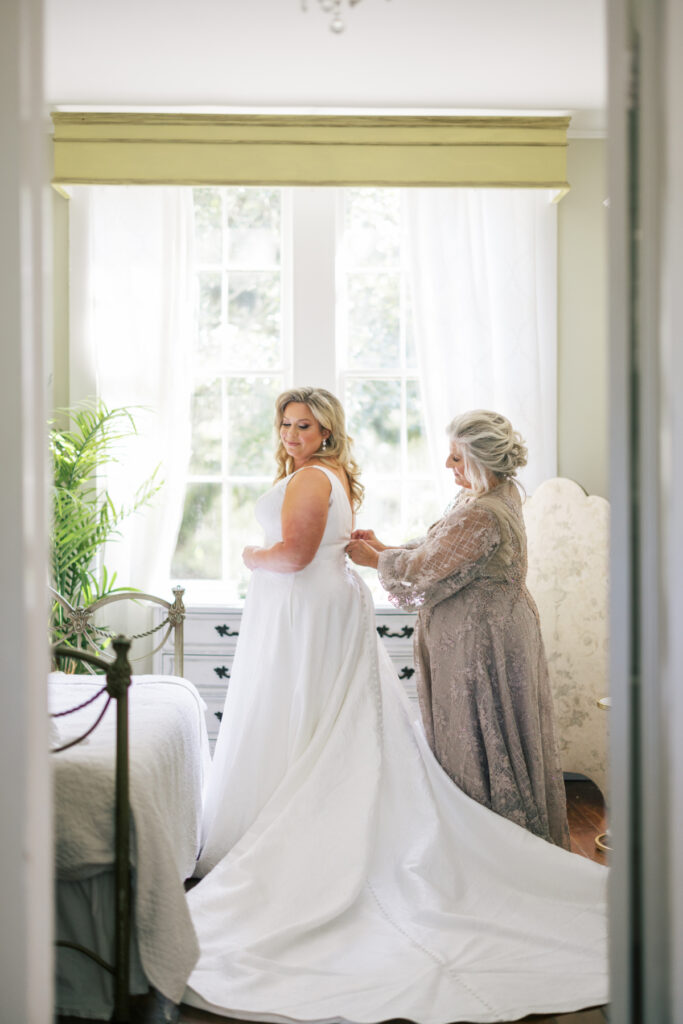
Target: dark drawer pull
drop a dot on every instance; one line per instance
(219, 715)
(225, 630)
(405, 632)
(222, 671)
(406, 672)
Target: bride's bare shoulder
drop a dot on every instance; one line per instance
(333, 467)
(303, 481)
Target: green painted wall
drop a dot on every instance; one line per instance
(58, 367)
(582, 319)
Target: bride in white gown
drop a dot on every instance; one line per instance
(345, 876)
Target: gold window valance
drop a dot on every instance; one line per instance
(224, 149)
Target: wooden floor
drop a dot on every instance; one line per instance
(585, 811)
(586, 814)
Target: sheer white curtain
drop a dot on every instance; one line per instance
(132, 313)
(483, 283)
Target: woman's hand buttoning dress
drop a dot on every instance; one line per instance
(346, 878)
(482, 675)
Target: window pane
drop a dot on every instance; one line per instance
(409, 329)
(207, 421)
(251, 433)
(381, 509)
(421, 510)
(374, 421)
(209, 313)
(253, 337)
(243, 529)
(254, 226)
(198, 554)
(418, 452)
(207, 225)
(374, 321)
(239, 367)
(381, 512)
(373, 227)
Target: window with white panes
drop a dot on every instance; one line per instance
(266, 314)
(378, 366)
(241, 362)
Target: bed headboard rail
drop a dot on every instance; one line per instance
(77, 624)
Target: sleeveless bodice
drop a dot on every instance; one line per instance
(339, 518)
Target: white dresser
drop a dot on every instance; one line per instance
(210, 637)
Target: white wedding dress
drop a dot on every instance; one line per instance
(348, 877)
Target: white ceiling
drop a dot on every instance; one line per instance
(437, 55)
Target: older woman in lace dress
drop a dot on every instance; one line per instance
(482, 673)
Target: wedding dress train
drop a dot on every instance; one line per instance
(346, 877)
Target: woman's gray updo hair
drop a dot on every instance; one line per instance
(488, 442)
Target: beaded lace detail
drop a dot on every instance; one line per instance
(477, 538)
(482, 678)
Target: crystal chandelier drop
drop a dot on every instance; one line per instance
(333, 7)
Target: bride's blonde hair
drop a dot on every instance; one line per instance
(329, 414)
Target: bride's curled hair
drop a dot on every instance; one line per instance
(489, 445)
(329, 413)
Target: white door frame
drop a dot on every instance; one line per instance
(646, 489)
(26, 852)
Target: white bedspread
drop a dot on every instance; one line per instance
(169, 757)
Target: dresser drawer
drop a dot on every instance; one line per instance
(396, 630)
(405, 670)
(214, 710)
(395, 627)
(210, 670)
(211, 628)
(210, 673)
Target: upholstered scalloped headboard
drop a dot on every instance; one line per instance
(568, 539)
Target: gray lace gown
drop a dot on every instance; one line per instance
(482, 673)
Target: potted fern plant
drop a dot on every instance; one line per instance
(84, 516)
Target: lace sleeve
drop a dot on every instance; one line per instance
(448, 558)
(411, 544)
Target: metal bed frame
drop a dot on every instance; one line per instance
(77, 625)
